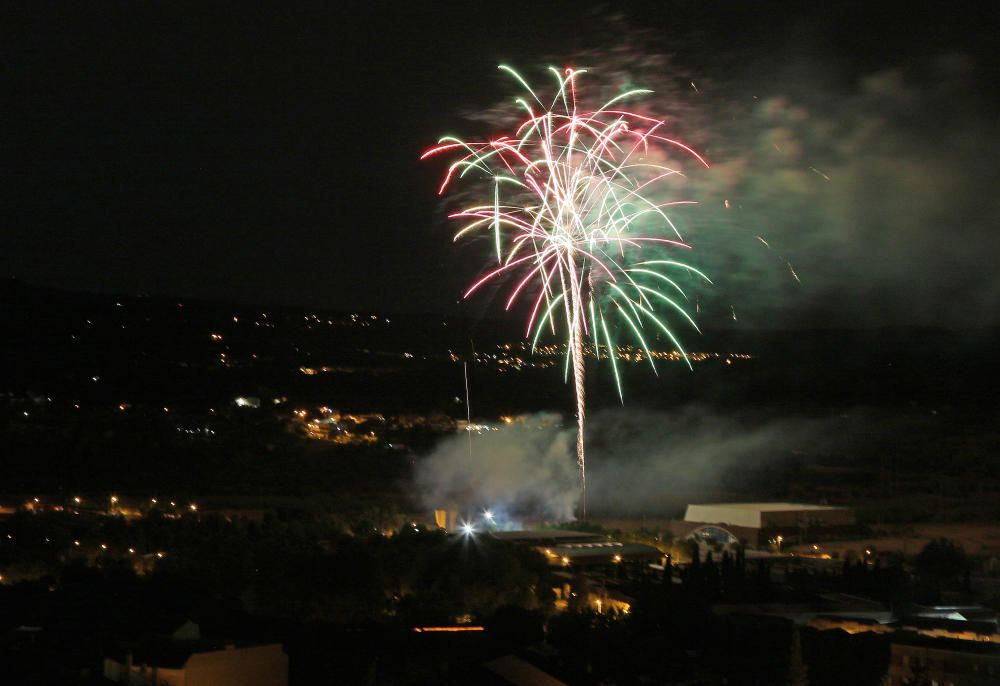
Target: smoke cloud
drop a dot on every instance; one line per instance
(638, 461)
(655, 462)
(877, 195)
(525, 467)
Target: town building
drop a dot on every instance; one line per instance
(193, 664)
(945, 662)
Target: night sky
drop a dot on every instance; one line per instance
(271, 155)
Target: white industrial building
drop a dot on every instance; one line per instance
(756, 523)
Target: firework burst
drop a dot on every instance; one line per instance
(569, 209)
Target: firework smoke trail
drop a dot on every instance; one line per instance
(581, 406)
(566, 203)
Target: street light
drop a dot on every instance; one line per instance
(779, 539)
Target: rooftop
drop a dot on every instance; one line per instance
(768, 507)
(547, 536)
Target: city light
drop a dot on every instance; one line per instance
(488, 515)
(468, 529)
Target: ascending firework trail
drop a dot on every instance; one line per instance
(568, 202)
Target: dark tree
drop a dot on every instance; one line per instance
(940, 566)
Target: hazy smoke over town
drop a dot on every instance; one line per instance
(638, 461)
(648, 462)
